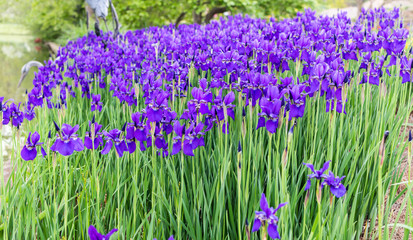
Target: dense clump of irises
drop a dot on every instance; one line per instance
(193, 79)
(275, 65)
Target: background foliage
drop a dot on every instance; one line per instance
(52, 19)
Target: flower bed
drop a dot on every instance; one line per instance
(181, 131)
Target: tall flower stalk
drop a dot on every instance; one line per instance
(382, 153)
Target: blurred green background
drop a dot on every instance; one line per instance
(56, 20)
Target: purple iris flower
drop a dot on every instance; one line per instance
(36, 96)
(219, 103)
(29, 151)
(317, 75)
(400, 36)
(336, 187)
(349, 51)
(297, 102)
(160, 141)
(114, 136)
(12, 113)
(95, 133)
(317, 174)
(198, 136)
(130, 138)
(366, 60)
(405, 69)
(335, 99)
(67, 141)
(374, 74)
(155, 105)
(201, 98)
(96, 103)
(170, 238)
(95, 235)
(178, 140)
(141, 129)
(189, 139)
(270, 105)
(29, 112)
(267, 215)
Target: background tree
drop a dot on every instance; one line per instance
(51, 19)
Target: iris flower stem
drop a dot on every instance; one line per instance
(312, 118)
(333, 136)
(118, 187)
(320, 221)
(341, 117)
(379, 200)
(269, 162)
(56, 227)
(181, 193)
(135, 199)
(66, 195)
(153, 168)
(34, 201)
(239, 171)
(284, 176)
(251, 132)
(366, 124)
(95, 178)
(246, 158)
(304, 219)
(409, 210)
(12, 159)
(409, 160)
(331, 206)
(239, 194)
(316, 124)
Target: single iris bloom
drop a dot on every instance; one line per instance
(29, 151)
(98, 141)
(95, 235)
(267, 215)
(67, 141)
(96, 103)
(317, 174)
(336, 187)
(113, 136)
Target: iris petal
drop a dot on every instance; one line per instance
(257, 225)
(27, 154)
(273, 232)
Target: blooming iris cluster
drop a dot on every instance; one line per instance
(12, 114)
(206, 70)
